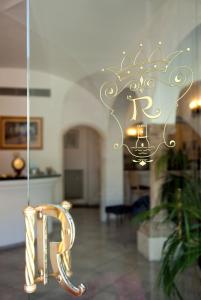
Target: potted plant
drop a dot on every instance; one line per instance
(181, 198)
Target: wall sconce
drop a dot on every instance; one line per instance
(135, 131)
(195, 106)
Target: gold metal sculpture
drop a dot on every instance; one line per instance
(30, 285)
(59, 251)
(138, 75)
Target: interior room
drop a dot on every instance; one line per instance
(100, 127)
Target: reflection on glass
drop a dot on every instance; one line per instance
(124, 207)
(84, 159)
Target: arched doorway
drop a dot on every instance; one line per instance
(82, 166)
(187, 130)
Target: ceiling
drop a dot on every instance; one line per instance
(12, 33)
(84, 36)
(75, 39)
(70, 38)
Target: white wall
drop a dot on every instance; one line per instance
(194, 38)
(82, 108)
(11, 106)
(69, 105)
(14, 194)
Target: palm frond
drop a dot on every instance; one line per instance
(181, 198)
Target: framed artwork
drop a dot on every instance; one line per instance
(71, 139)
(13, 132)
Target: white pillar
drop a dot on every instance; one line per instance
(152, 234)
(112, 174)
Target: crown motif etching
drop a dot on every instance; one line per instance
(139, 74)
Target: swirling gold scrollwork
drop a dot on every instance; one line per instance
(170, 144)
(140, 74)
(150, 83)
(139, 84)
(116, 146)
(179, 76)
(134, 86)
(110, 89)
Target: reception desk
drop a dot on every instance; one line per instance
(13, 199)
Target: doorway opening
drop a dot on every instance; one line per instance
(82, 166)
(136, 178)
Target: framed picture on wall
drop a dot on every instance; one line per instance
(13, 132)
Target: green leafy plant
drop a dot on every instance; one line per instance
(181, 198)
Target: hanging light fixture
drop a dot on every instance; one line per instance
(195, 106)
(134, 131)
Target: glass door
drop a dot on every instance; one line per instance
(114, 130)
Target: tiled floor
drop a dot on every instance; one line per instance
(105, 259)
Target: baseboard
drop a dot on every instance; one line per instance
(12, 246)
(86, 206)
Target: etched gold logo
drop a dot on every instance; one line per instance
(138, 76)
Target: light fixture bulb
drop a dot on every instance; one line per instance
(131, 131)
(199, 103)
(193, 104)
(135, 131)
